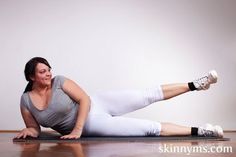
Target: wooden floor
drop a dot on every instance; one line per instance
(116, 149)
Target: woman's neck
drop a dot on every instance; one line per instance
(41, 90)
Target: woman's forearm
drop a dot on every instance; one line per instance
(84, 106)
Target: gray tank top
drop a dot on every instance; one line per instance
(61, 113)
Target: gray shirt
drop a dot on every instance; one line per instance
(61, 113)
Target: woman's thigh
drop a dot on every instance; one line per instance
(119, 102)
(106, 125)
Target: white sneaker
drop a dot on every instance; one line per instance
(210, 131)
(204, 82)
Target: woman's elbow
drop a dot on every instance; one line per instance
(86, 101)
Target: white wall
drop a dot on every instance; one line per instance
(117, 44)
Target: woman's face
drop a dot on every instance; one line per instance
(42, 75)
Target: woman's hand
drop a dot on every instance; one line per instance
(28, 132)
(75, 134)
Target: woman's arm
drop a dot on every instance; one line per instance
(32, 127)
(77, 94)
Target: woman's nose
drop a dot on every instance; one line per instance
(48, 73)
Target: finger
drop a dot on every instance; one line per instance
(69, 137)
(24, 136)
(73, 137)
(63, 137)
(66, 137)
(30, 134)
(19, 135)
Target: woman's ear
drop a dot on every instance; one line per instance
(32, 78)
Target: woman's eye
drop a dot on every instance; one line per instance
(43, 71)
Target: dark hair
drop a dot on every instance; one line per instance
(29, 71)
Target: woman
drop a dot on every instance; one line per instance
(61, 104)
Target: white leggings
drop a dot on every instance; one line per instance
(105, 118)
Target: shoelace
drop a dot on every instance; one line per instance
(202, 81)
(208, 133)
